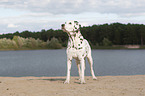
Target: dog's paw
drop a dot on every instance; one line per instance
(83, 82)
(94, 78)
(66, 82)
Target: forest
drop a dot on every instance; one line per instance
(97, 35)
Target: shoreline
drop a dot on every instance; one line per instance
(113, 47)
(37, 77)
(110, 48)
(132, 85)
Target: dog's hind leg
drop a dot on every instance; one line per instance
(90, 60)
(82, 62)
(79, 70)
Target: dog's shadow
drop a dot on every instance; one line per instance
(60, 80)
(51, 79)
(54, 79)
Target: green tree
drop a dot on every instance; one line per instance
(106, 42)
(54, 44)
(18, 41)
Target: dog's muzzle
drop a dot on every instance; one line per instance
(62, 25)
(63, 28)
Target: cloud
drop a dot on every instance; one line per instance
(34, 15)
(12, 26)
(77, 6)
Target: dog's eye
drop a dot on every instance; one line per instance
(70, 23)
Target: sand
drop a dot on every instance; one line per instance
(53, 86)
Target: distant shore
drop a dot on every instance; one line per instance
(93, 47)
(120, 47)
(53, 86)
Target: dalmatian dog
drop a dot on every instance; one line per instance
(78, 48)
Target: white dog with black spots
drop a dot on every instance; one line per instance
(78, 48)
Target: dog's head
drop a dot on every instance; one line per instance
(71, 26)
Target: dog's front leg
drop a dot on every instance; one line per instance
(79, 70)
(68, 71)
(82, 71)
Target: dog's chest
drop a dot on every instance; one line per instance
(75, 53)
(80, 51)
(76, 41)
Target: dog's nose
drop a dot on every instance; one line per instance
(62, 25)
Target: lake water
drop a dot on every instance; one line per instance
(53, 63)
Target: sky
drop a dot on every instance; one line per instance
(35, 15)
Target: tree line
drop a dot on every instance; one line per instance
(97, 35)
(20, 43)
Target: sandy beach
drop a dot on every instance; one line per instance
(53, 86)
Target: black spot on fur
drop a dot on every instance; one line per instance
(86, 52)
(76, 22)
(74, 35)
(81, 39)
(83, 54)
(80, 48)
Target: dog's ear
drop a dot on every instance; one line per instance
(76, 22)
(79, 26)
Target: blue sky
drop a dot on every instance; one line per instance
(34, 15)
